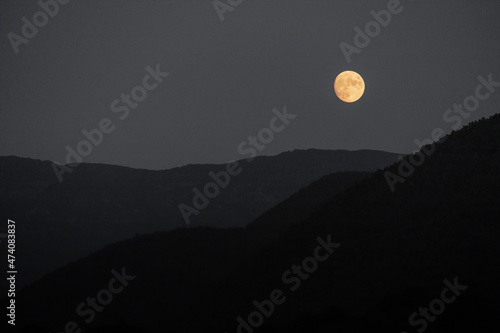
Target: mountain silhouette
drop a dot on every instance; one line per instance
(96, 205)
(395, 253)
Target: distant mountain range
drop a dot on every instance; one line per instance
(97, 205)
(395, 253)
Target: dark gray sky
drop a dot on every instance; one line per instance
(226, 77)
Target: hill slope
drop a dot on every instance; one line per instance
(396, 251)
(97, 205)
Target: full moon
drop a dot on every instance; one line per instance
(349, 86)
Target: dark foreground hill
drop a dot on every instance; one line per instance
(97, 205)
(431, 244)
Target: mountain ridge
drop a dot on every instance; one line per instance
(396, 250)
(97, 205)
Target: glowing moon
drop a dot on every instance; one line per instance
(349, 86)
